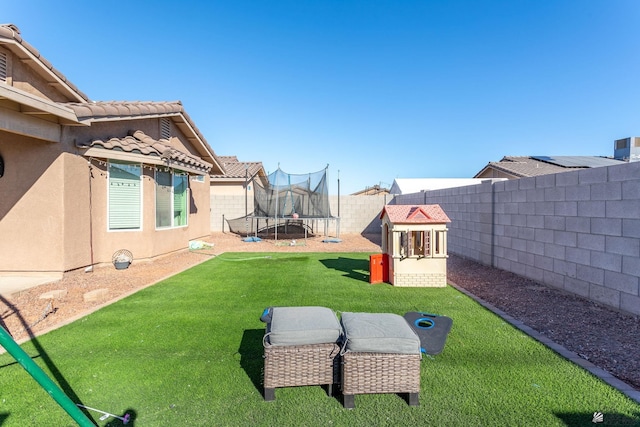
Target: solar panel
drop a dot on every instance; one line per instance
(578, 161)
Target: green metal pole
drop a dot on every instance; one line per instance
(45, 382)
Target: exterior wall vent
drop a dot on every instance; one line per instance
(3, 67)
(165, 128)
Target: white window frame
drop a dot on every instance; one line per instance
(171, 209)
(430, 243)
(131, 202)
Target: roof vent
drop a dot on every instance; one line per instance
(627, 149)
(3, 67)
(165, 128)
(622, 143)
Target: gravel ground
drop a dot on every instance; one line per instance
(607, 338)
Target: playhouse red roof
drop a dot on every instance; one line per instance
(415, 214)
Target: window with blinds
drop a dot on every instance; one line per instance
(125, 194)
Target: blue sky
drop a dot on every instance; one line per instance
(377, 90)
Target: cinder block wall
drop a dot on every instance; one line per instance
(470, 209)
(358, 214)
(227, 207)
(578, 231)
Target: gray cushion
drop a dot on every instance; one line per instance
(379, 333)
(303, 325)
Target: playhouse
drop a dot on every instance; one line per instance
(414, 246)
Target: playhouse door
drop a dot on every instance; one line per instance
(378, 268)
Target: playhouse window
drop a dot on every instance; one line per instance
(419, 243)
(415, 244)
(438, 246)
(404, 243)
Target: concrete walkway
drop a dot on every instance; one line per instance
(14, 285)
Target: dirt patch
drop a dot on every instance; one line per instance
(605, 337)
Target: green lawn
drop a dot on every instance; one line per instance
(188, 352)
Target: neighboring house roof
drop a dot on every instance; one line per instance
(416, 185)
(376, 190)
(526, 166)
(236, 170)
(415, 214)
(138, 147)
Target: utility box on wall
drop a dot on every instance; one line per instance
(414, 242)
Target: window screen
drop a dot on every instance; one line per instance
(124, 196)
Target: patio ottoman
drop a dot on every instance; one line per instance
(381, 355)
(300, 348)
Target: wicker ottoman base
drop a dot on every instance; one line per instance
(364, 373)
(288, 366)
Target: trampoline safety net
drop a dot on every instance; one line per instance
(293, 197)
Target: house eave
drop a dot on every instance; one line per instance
(102, 153)
(32, 105)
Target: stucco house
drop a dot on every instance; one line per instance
(83, 179)
(237, 176)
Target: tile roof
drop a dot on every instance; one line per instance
(371, 191)
(527, 166)
(578, 161)
(89, 111)
(97, 111)
(415, 214)
(115, 110)
(522, 166)
(236, 169)
(158, 152)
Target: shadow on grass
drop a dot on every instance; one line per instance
(576, 419)
(251, 352)
(352, 267)
(16, 363)
(130, 422)
(42, 353)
